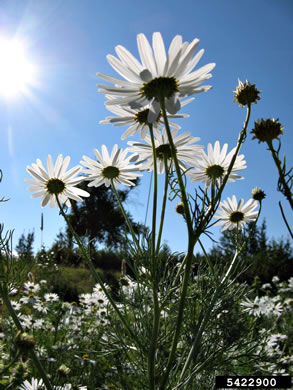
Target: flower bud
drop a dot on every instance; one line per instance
(63, 370)
(246, 93)
(258, 194)
(180, 208)
(25, 341)
(265, 130)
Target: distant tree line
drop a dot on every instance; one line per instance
(100, 223)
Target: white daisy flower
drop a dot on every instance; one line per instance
(234, 215)
(51, 297)
(35, 384)
(186, 151)
(110, 168)
(16, 305)
(252, 307)
(41, 307)
(158, 76)
(68, 386)
(31, 287)
(212, 167)
(136, 118)
(55, 181)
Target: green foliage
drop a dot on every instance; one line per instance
(98, 218)
(262, 258)
(24, 248)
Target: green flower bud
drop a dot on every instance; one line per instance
(246, 93)
(258, 194)
(63, 370)
(180, 208)
(265, 130)
(25, 341)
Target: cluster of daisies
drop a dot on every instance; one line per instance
(38, 384)
(59, 326)
(33, 304)
(274, 312)
(152, 89)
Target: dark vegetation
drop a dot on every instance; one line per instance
(99, 222)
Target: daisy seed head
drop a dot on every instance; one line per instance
(265, 130)
(258, 194)
(55, 186)
(159, 87)
(246, 93)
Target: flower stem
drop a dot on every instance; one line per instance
(163, 205)
(285, 220)
(193, 236)
(126, 218)
(96, 276)
(155, 196)
(195, 347)
(189, 254)
(285, 188)
(156, 319)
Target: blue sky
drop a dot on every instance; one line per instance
(68, 40)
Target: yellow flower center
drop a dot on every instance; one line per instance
(110, 172)
(236, 216)
(159, 87)
(55, 186)
(163, 150)
(142, 117)
(215, 171)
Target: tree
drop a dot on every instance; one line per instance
(261, 258)
(24, 248)
(99, 219)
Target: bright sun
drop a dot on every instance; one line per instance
(16, 72)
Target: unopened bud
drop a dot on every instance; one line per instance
(25, 341)
(246, 93)
(265, 130)
(63, 370)
(180, 208)
(258, 194)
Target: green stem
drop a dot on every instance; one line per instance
(156, 319)
(189, 254)
(285, 220)
(6, 368)
(178, 170)
(286, 190)
(155, 196)
(196, 343)
(217, 197)
(126, 218)
(154, 339)
(207, 259)
(163, 205)
(18, 325)
(96, 276)
(193, 237)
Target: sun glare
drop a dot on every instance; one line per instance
(16, 72)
